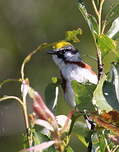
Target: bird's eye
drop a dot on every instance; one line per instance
(60, 54)
(63, 51)
(67, 50)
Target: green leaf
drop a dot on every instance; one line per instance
(40, 138)
(106, 95)
(99, 141)
(114, 75)
(81, 131)
(82, 140)
(112, 14)
(51, 95)
(68, 149)
(105, 44)
(99, 99)
(93, 24)
(114, 30)
(90, 19)
(73, 35)
(83, 95)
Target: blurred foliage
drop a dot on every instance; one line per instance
(83, 95)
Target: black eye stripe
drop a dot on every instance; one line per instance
(61, 52)
(67, 50)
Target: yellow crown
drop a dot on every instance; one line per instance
(61, 44)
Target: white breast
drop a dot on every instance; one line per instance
(74, 72)
(82, 75)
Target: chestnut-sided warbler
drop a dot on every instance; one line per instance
(71, 66)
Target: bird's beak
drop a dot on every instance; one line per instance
(51, 52)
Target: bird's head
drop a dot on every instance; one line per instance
(64, 51)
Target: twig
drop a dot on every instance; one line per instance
(100, 16)
(91, 127)
(107, 145)
(116, 148)
(8, 80)
(12, 97)
(104, 26)
(100, 64)
(95, 8)
(99, 56)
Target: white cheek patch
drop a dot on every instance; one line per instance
(68, 54)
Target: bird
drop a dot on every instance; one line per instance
(71, 67)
